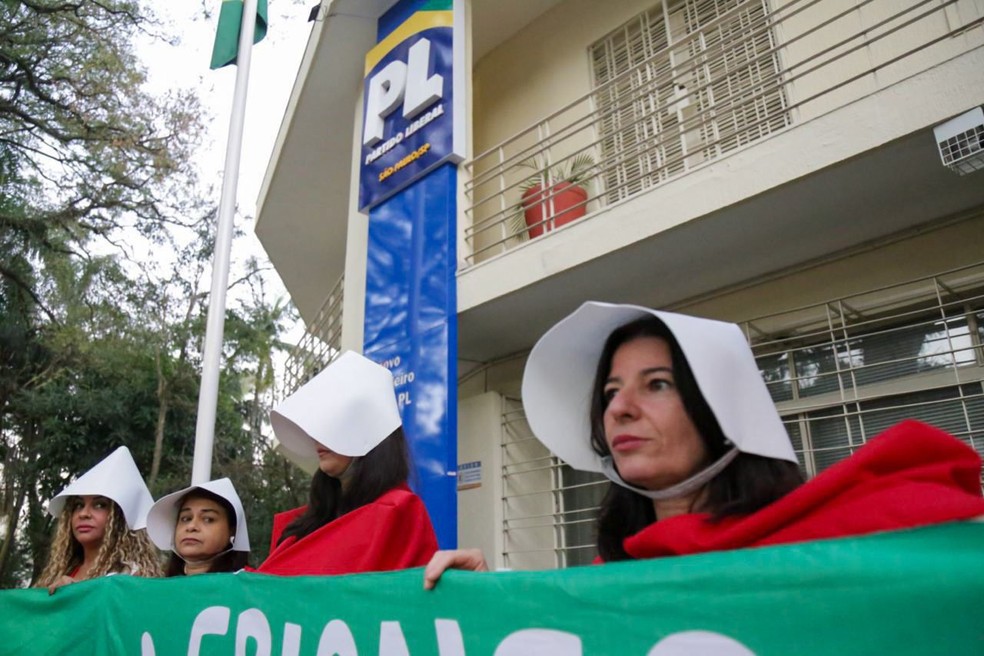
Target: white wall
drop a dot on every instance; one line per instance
(916, 255)
(480, 507)
(542, 67)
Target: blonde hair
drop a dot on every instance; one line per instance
(122, 551)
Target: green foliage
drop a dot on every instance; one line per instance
(575, 170)
(96, 352)
(81, 138)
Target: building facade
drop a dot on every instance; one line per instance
(776, 163)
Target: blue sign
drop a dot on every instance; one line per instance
(411, 113)
(411, 328)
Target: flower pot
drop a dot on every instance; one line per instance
(558, 205)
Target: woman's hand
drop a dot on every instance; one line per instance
(467, 559)
(64, 579)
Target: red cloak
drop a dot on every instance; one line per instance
(910, 475)
(392, 532)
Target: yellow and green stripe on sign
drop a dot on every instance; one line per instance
(420, 21)
(226, 47)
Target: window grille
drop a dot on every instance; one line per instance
(685, 83)
(583, 492)
(668, 88)
(840, 373)
(859, 365)
(549, 509)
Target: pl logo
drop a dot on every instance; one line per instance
(407, 84)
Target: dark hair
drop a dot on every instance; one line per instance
(372, 475)
(230, 561)
(747, 484)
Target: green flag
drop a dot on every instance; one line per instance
(226, 46)
(904, 593)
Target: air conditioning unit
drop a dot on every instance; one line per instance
(961, 142)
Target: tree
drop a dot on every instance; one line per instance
(270, 483)
(123, 367)
(95, 352)
(79, 134)
(84, 153)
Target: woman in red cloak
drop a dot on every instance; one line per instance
(679, 419)
(361, 516)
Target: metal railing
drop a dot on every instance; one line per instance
(319, 345)
(718, 83)
(548, 509)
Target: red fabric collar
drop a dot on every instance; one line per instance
(910, 475)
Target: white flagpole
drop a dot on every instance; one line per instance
(208, 394)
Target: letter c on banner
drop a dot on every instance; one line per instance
(214, 620)
(699, 643)
(253, 624)
(337, 640)
(539, 641)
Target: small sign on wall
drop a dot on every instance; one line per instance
(469, 475)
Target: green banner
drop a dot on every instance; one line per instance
(912, 592)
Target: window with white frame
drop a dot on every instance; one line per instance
(681, 84)
(860, 368)
(548, 509)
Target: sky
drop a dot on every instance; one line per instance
(273, 70)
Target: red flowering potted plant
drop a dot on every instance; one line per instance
(553, 196)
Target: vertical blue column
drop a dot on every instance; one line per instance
(411, 327)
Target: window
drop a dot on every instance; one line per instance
(582, 493)
(549, 509)
(835, 433)
(862, 364)
(319, 345)
(682, 84)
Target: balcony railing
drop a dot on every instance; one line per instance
(708, 78)
(320, 344)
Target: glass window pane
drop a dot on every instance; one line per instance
(796, 437)
(959, 415)
(816, 370)
(912, 349)
(940, 407)
(951, 343)
(582, 495)
(775, 372)
(974, 403)
(890, 354)
(832, 434)
(979, 320)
